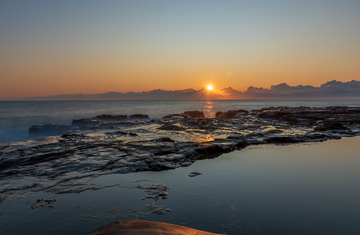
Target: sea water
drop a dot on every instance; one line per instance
(16, 117)
(295, 189)
(267, 189)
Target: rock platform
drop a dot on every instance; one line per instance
(117, 145)
(143, 227)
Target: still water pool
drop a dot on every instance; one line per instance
(294, 189)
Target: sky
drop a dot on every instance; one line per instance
(70, 47)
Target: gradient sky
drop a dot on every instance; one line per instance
(69, 46)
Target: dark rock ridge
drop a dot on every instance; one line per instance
(104, 121)
(66, 163)
(83, 122)
(231, 113)
(310, 116)
(110, 117)
(49, 128)
(186, 114)
(139, 116)
(330, 125)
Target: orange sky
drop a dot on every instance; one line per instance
(96, 48)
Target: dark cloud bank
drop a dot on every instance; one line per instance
(331, 89)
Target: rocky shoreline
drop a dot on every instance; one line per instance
(108, 144)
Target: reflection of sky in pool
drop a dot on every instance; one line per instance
(295, 189)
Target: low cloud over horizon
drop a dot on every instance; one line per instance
(330, 89)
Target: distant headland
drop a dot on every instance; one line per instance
(330, 89)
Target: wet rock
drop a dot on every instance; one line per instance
(285, 139)
(104, 125)
(193, 174)
(317, 137)
(155, 209)
(271, 132)
(142, 227)
(171, 116)
(164, 139)
(310, 115)
(83, 122)
(160, 166)
(207, 148)
(194, 114)
(42, 203)
(155, 191)
(108, 117)
(231, 113)
(186, 114)
(157, 120)
(139, 116)
(329, 125)
(199, 123)
(189, 117)
(172, 127)
(73, 136)
(255, 135)
(185, 164)
(48, 129)
(235, 137)
(59, 164)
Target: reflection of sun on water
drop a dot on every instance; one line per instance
(209, 111)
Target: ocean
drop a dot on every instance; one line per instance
(16, 117)
(301, 188)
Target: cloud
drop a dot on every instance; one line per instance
(331, 89)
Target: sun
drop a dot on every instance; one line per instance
(210, 87)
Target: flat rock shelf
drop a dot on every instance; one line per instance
(109, 145)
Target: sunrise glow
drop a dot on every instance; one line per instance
(127, 49)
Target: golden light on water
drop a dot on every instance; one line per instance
(209, 110)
